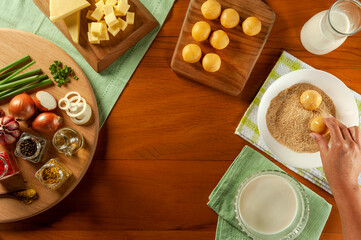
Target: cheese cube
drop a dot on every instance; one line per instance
(89, 15)
(97, 14)
(126, 1)
(123, 7)
(114, 30)
(104, 36)
(98, 0)
(104, 25)
(117, 13)
(130, 17)
(100, 5)
(111, 20)
(89, 27)
(123, 24)
(92, 39)
(111, 2)
(96, 28)
(108, 9)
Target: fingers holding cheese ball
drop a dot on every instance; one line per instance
(201, 31)
(251, 26)
(211, 9)
(229, 18)
(211, 62)
(317, 125)
(192, 53)
(219, 40)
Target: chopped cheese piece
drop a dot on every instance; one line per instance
(60, 9)
(93, 39)
(126, 1)
(97, 14)
(130, 17)
(104, 25)
(123, 7)
(98, 0)
(111, 20)
(123, 24)
(114, 30)
(108, 9)
(104, 35)
(89, 27)
(73, 24)
(89, 15)
(100, 5)
(117, 13)
(96, 28)
(111, 2)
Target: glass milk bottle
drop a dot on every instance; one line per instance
(327, 30)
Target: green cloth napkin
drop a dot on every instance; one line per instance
(107, 86)
(248, 128)
(221, 199)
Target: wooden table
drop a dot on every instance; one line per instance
(168, 142)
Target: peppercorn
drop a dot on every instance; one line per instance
(28, 147)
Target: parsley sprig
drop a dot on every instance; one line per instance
(61, 74)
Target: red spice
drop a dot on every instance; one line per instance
(10, 162)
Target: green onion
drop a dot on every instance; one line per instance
(27, 88)
(8, 73)
(27, 57)
(61, 75)
(8, 79)
(28, 74)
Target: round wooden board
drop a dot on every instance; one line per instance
(16, 44)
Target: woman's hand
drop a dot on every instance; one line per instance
(342, 160)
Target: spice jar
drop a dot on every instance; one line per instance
(8, 166)
(68, 141)
(31, 148)
(53, 174)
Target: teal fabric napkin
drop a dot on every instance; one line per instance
(25, 15)
(221, 199)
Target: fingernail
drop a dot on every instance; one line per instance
(313, 136)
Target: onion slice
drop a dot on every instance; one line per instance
(72, 110)
(83, 118)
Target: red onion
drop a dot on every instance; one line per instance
(22, 106)
(46, 122)
(9, 130)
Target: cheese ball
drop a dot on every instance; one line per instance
(219, 40)
(310, 99)
(201, 31)
(251, 26)
(192, 53)
(211, 9)
(211, 62)
(318, 126)
(229, 18)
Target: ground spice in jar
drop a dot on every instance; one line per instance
(28, 147)
(50, 175)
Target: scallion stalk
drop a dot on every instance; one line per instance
(23, 59)
(19, 82)
(5, 74)
(8, 79)
(42, 83)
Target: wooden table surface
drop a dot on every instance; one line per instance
(168, 142)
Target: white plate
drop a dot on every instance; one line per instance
(346, 112)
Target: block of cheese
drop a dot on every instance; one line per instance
(111, 20)
(130, 17)
(123, 7)
(123, 24)
(108, 9)
(104, 25)
(72, 22)
(104, 36)
(114, 30)
(111, 2)
(60, 9)
(100, 5)
(93, 39)
(96, 28)
(97, 14)
(125, 1)
(89, 15)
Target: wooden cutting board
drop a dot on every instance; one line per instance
(102, 55)
(16, 44)
(238, 58)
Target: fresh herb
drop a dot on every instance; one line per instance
(61, 74)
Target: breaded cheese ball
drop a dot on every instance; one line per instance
(211, 9)
(219, 40)
(192, 53)
(211, 62)
(229, 18)
(201, 31)
(251, 26)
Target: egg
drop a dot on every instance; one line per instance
(310, 99)
(201, 31)
(318, 126)
(211, 9)
(251, 26)
(219, 39)
(229, 18)
(211, 62)
(192, 53)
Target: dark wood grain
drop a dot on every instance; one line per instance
(102, 55)
(238, 58)
(168, 141)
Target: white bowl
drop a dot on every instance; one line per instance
(346, 112)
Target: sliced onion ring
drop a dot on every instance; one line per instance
(78, 113)
(73, 93)
(66, 101)
(84, 118)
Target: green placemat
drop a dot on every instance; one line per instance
(248, 128)
(107, 86)
(221, 199)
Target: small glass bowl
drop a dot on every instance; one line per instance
(41, 147)
(63, 171)
(298, 223)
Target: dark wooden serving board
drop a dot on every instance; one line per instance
(238, 58)
(100, 56)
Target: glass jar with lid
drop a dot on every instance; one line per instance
(53, 174)
(31, 148)
(8, 166)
